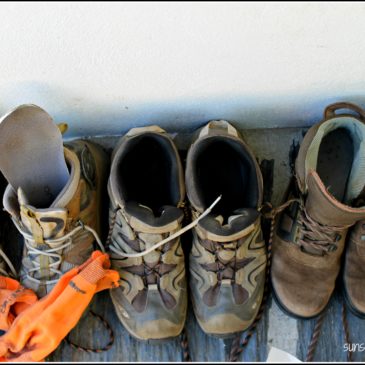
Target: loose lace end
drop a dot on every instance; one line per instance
(168, 239)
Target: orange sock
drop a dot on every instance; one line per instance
(38, 330)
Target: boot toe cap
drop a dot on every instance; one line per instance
(155, 322)
(299, 301)
(225, 317)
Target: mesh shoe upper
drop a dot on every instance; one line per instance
(228, 258)
(146, 193)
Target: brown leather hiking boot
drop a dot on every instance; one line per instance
(146, 190)
(310, 234)
(228, 257)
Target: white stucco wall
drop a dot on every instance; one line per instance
(107, 67)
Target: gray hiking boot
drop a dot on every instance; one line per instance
(53, 195)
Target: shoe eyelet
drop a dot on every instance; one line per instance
(332, 248)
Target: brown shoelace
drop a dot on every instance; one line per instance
(184, 343)
(225, 269)
(238, 346)
(94, 350)
(318, 237)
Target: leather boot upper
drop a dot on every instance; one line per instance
(311, 233)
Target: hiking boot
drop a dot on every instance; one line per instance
(354, 270)
(228, 257)
(146, 192)
(311, 233)
(53, 196)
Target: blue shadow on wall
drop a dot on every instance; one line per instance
(92, 118)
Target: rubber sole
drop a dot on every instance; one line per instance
(157, 341)
(154, 342)
(223, 336)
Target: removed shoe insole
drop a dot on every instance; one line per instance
(31, 154)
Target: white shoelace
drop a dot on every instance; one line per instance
(168, 239)
(57, 244)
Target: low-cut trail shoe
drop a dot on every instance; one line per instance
(310, 234)
(146, 192)
(228, 257)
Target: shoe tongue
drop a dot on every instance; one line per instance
(325, 209)
(42, 223)
(144, 219)
(237, 223)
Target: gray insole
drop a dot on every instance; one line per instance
(335, 157)
(31, 154)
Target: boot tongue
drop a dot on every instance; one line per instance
(237, 223)
(42, 223)
(143, 219)
(325, 209)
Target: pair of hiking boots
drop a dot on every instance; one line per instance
(321, 227)
(55, 195)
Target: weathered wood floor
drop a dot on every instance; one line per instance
(275, 328)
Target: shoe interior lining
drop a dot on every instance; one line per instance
(148, 173)
(223, 167)
(339, 145)
(335, 159)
